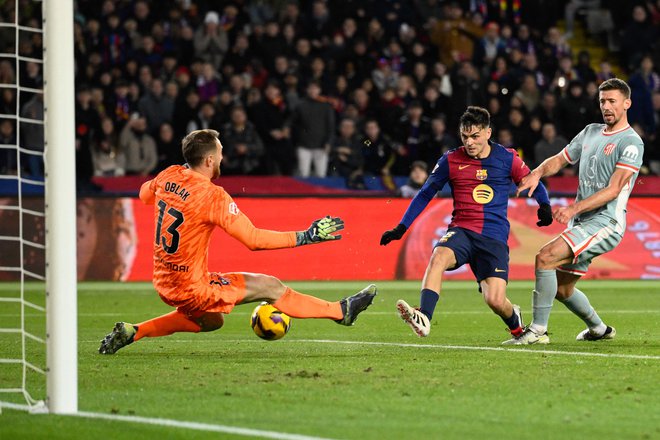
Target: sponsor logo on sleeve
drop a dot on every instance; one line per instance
(631, 152)
(233, 208)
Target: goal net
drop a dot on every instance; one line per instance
(38, 358)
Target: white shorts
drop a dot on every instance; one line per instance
(588, 239)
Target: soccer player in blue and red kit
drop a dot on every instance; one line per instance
(480, 174)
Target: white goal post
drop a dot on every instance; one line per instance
(60, 208)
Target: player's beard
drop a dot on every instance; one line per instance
(216, 173)
(613, 120)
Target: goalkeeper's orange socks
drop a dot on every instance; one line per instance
(166, 325)
(298, 305)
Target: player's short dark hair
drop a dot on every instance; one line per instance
(198, 144)
(475, 117)
(615, 84)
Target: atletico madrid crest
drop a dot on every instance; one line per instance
(482, 174)
(608, 149)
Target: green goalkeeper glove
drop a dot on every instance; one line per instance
(321, 230)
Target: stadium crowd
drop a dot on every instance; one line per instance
(351, 89)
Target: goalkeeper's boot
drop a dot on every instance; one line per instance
(122, 335)
(529, 337)
(588, 335)
(414, 318)
(352, 306)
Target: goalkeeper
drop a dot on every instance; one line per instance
(480, 175)
(187, 208)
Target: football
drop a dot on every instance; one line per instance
(269, 323)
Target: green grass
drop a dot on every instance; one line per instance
(436, 388)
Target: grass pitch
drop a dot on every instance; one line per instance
(375, 380)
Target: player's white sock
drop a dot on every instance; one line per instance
(538, 329)
(578, 303)
(545, 290)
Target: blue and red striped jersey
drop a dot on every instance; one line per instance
(480, 189)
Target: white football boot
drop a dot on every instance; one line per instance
(414, 318)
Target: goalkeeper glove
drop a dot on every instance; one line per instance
(320, 230)
(544, 214)
(393, 234)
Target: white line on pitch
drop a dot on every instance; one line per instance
(478, 348)
(170, 423)
(435, 346)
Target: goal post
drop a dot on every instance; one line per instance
(60, 208)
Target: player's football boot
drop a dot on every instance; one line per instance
(414, 318)
(353, 305)
(587, 335)
(121, 336)
(529, 337)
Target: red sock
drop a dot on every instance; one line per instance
(298, 305)
(166, 325)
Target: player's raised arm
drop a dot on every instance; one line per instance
(147, 193)
(439, 176)
(549, 167)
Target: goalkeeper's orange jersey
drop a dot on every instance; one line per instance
(187, 206)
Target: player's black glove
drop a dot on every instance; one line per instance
(393, 234)
(544, 214)
(320, 230)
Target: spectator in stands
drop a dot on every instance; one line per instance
(206, 118)
(87, 126)
(346, 155)
(521, 133)
(642, 85)
(412, 134)
(108, 158)
(243, 149)
(168, 148)
(8, 155)
(185, 113)
(574, 110)
(384, 76)
(638, 38)
(605, 72)
(156, 107)
(378, 153)
(416, 179)
(138, 146)
(583, 67)
(32, 136)
(211, 42)
(238, 58)
(529, 93)
(549, 145)
(440, 141)
(313, 125)
(270, 117)
(455, 36)
(489, 46)
(208, 83)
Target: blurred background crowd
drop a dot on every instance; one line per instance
(344, 88)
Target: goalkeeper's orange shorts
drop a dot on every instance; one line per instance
(221, 294)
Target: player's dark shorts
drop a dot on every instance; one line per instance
(487, 257)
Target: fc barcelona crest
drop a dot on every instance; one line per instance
(482, 174)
